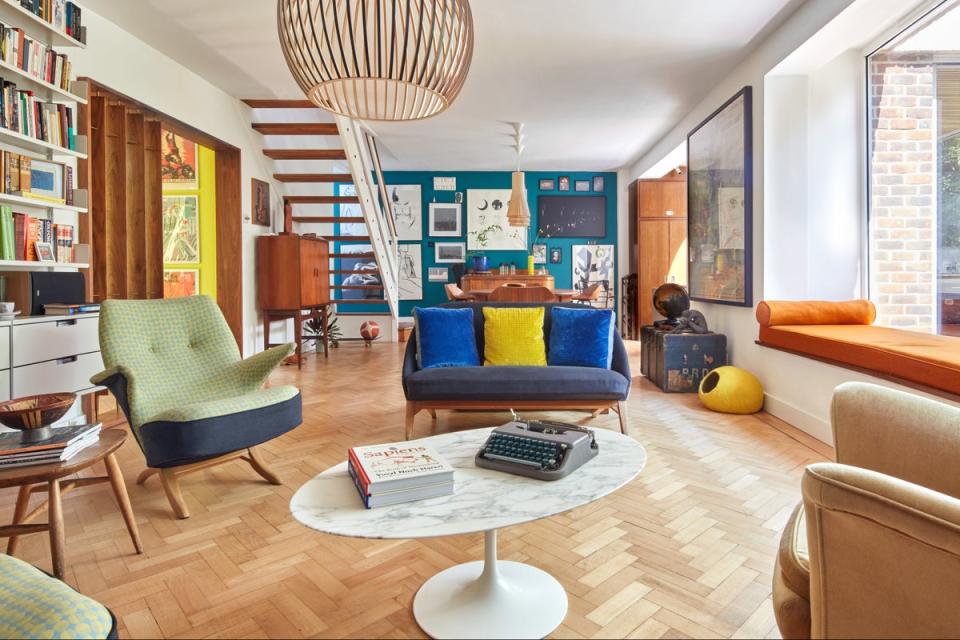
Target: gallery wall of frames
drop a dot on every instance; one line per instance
(446, 217)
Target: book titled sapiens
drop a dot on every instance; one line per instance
(392, 467)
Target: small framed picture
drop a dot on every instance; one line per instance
(437, 274)
(260, 202)
(46, 179)
(445, 219)
(539, 254)
(564, 183)
(44, 252)
(547, 184)
(581, 185)
(450, 252)
(556, 255)
(598, 183)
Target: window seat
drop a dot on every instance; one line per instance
(907, 357)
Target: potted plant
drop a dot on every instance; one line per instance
(314, 330)
(478, 259)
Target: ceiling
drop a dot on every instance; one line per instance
(596, 83)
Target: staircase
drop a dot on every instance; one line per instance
(329, 173)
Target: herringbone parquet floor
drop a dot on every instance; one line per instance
(685, 550)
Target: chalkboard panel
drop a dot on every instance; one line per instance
(572, 216)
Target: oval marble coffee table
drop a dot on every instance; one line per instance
(489, 599)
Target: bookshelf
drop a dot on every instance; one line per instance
(34, 204)
(12, 13)
(41, 87)
(33, 265)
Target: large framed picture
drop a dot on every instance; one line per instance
(407, 206)
(181, 230)
(720, 204)
(180, 283)
(445, 219)
(178, 162)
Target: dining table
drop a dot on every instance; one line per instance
(563, 295)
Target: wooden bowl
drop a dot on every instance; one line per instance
(35, 412)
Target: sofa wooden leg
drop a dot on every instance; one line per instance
(171, 487)
(258, 465)
(622, 413)
(433, 413)
(146, 474)
(408, 422)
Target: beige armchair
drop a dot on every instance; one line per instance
(874, 550)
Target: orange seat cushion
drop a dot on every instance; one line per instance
(927, 359)
(774, 313)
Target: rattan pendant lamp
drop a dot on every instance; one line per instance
(378, 59)
(518, 211)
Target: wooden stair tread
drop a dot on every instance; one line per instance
(321, 199)
(365, 254)
(356, 287)
(313, 177)
(360, 301)
(330, 219)
(305, 154)
(349, 272)
(256, 103)
(360, 239)
(297, 128)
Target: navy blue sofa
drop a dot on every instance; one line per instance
(520, 388)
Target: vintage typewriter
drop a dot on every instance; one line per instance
(542, 450)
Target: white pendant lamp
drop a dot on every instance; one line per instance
(518, 211)
(378, 59)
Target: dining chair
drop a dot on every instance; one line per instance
(455, 293)
(503, 293)
(589, 294)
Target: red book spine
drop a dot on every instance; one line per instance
(20, 235)
(361, 472)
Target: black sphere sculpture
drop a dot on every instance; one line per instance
(670, 300)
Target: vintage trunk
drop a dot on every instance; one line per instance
(678, 362)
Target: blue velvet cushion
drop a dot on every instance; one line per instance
(445, 338)
(581, 337)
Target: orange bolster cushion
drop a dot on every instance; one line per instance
(775, 313)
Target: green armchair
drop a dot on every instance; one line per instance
(191, 401)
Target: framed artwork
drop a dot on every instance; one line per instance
(572, 216)
(260, 201)
(438, 274)
(351, 210)
(598, 183)
(581, 185)
(720, 204)
(410, 264)
(539, 254)
(407, 206)
(547, 184)
(444, 219)
(563, 184)
(46, 179)
(178, 162)
(361, 270)
(181, 229)
(556, 255)
(181, 283)
(594, 263)
(449, 252)
(44, 251)
(487, 220)
(444, 183)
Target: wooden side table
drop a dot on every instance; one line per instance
(318, 311)
(51, 478)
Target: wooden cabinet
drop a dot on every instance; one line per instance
(489, 281)
(293, 272)
(658, 209)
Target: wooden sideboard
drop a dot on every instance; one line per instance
(293, 276)
(492, 280)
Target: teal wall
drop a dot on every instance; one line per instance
(433, 293)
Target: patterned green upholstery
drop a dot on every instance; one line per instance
(34, 605)
(181, 362)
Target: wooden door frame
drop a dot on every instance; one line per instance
(229, 203)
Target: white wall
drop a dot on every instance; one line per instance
(125, 64)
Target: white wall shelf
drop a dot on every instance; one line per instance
(50, 91)
(32, 265)
(11, 11)
(34, 144)
(42, 205)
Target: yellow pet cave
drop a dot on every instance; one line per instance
(731, 390)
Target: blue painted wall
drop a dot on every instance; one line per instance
(433, 293)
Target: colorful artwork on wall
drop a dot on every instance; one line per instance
(178, 162)
(539, 254)
(181, 230)
(594, 263)
(363, 271)
(487, 218)
(444, 219)
(720, 211)
(260, 202)
(410, 263)
(407, 205)
(180, 283)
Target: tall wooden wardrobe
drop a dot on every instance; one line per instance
(658, 211)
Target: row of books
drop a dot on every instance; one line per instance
(63, 15)
(20, 233)
(18, 172)
(70, 309)
(18, 450)
(393, 473)
(28, 115)
(34, 57)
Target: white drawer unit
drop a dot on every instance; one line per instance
(4, 347)
(46, 339)
(4, 385)
(71, 373)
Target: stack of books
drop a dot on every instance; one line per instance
(70, 309)
(402, 472)
(62, 445)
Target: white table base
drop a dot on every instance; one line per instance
(490, 599)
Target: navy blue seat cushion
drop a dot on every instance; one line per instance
(445, 338)
(581, 337)
(517, 383)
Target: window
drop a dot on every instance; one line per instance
(914, 175)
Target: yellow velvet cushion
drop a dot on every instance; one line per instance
(513, 336)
